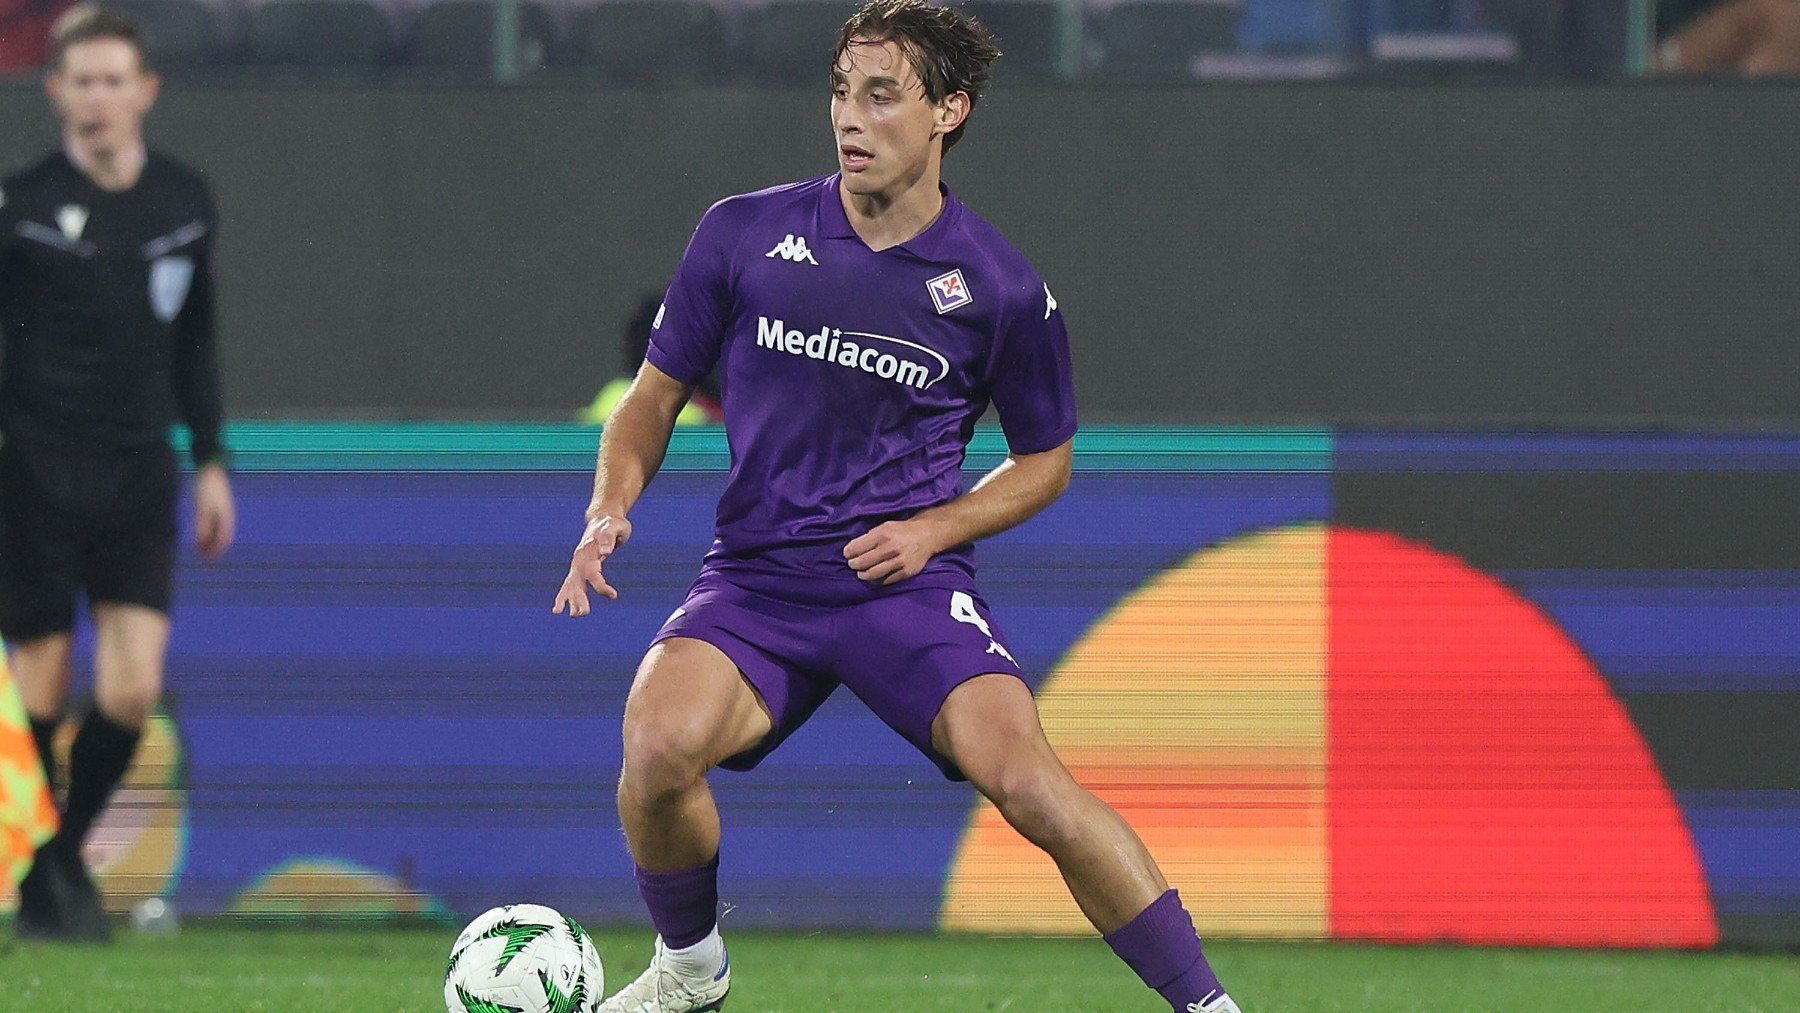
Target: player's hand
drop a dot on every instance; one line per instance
(603, 536)
(215, 515)
(892, 552)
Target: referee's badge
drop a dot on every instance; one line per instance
(170, 279)
(72, 220)
(948, 291)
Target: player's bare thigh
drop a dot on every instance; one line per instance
(690, 707)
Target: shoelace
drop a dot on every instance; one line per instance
(662, 980)
(659, 974)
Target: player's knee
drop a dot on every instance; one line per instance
(1030, 795)
(662, 758)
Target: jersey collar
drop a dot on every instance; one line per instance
(74, 166)
(931, 244)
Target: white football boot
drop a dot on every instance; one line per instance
(662, 989)
(1220, 1004)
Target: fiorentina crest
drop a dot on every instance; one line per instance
(948, 291)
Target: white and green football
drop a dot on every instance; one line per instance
(523, 958)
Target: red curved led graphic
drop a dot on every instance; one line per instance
(1484, 784)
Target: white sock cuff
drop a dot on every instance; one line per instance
(704, 955)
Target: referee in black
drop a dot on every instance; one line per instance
(106, 300)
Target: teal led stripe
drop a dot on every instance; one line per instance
(462, 446)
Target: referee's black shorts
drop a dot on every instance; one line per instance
(102, 523)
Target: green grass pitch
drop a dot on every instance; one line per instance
(376, 970)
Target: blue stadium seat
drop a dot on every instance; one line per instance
(180, 34)
(651, 42)
(343, 35)
(1298, 27)
(1158, 40)
(457, 36)
(790, 41)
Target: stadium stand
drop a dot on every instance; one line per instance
(1158, 41)
(457, 37)
(789, 41)
(321, 35)
(1031, 34)
(783, 42)
(184, 35)
(1435, 38)
(651, 42)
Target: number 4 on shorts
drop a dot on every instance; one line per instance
(962, 609)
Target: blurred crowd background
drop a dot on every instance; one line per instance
(1161, 41)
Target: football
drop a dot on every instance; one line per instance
(523, 958)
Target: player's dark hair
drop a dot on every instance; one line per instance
(85, 23)
(947, 47)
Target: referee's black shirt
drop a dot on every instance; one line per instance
(106, 299)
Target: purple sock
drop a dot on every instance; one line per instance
(1161, 946)
(684, 904)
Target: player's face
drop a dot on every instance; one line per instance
(102, 92)
(887, 131)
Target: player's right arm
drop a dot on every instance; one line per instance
(631, 450)
(684, 347)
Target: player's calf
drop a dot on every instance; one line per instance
(990, 727)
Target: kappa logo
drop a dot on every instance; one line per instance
(948, 291)
(793, 248)
(1049, 302)
(905, 362)
(72, 220)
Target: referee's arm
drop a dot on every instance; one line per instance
(197, 394)
(196, 366)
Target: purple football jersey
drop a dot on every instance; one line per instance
(852, 379)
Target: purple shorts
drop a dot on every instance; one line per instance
(901, 653)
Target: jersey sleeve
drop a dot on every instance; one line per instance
(1034, 383)
(196, 359)
(690, 327)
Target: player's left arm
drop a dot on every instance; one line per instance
(1034, 392)
(1005, 498)
(197, 393)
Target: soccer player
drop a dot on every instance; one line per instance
(862, 321)
(106, 299)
